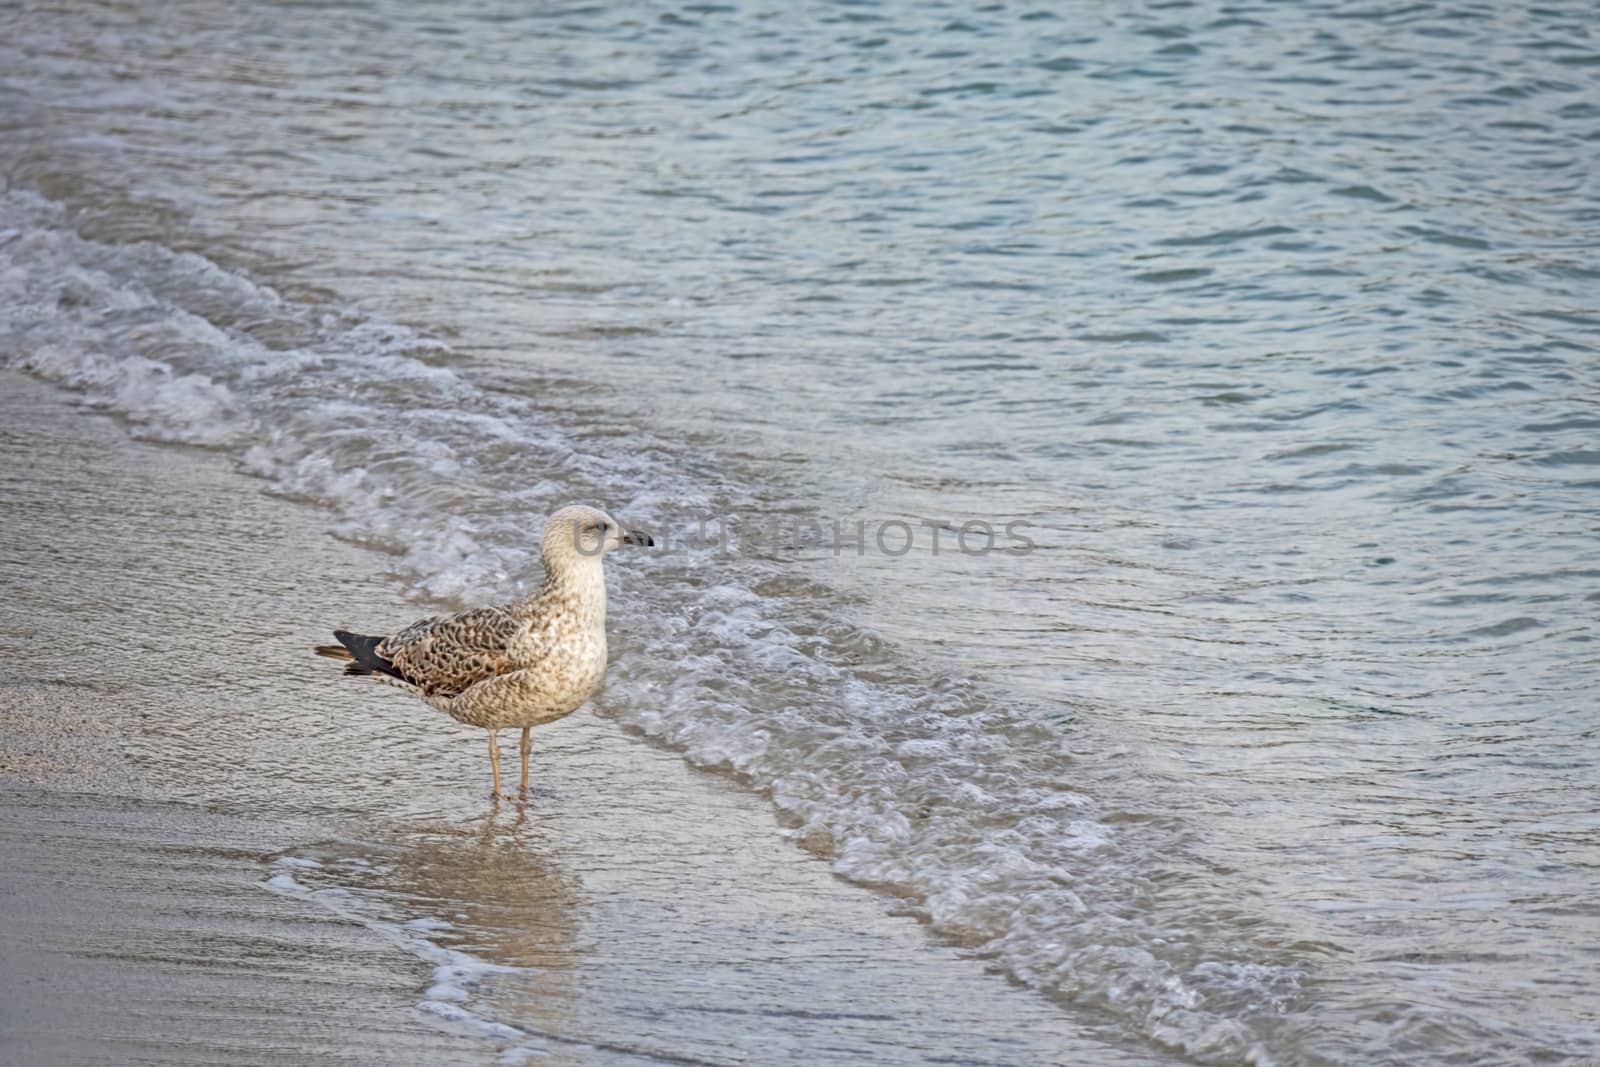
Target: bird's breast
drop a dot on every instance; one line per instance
(565, 663)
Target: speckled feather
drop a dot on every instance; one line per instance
(445, 655)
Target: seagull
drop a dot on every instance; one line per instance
(521, 664)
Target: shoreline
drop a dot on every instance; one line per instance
(251, 841)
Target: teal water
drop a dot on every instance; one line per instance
(1272, 326)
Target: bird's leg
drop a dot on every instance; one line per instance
(523, 789)
(494, 762)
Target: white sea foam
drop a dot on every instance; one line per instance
(285, 883)
(905, 778)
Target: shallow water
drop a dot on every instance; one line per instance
(1274, 326)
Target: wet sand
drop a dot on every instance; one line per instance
(135, 928)
(136, 931)
(215, 848)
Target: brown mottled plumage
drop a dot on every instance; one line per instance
(516, 665)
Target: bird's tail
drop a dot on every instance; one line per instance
(360, 653)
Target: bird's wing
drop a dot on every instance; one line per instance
(446, 654)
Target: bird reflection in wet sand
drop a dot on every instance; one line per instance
(492, 888)
(508, 900)
(521, 664)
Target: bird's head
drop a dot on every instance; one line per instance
(580, 532)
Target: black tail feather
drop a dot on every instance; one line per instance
(365, 651)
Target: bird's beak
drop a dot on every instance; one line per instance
(638, 537)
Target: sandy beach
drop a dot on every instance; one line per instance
(136, 931)
(215, 850)
(135, 928)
